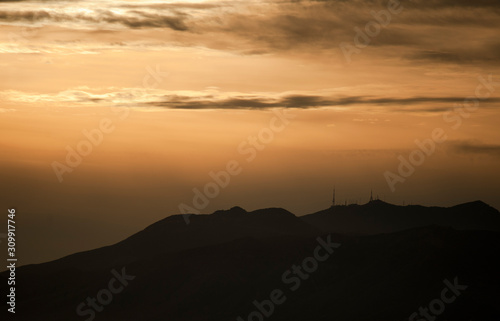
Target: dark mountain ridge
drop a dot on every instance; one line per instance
(173, 234)
(368, 278)
(392, 260)
(381, 217)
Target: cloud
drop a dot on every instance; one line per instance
(210, 99)
(96, 17)
(416, 3)
(303, 101)
(472, 147)
(489, 54)
(457, 3)
(425, 31)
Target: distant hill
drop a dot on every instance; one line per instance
(173, 234)
(381, 217)
(215, 267)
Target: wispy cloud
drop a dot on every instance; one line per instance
(95, 18)
(424, 31)
(471, 147)
(214, 99)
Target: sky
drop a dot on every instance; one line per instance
(115, 114)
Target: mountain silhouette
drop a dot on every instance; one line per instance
(173, 234)
(381, 217)
(219, 265)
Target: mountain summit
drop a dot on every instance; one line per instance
(380, 217)
(219, 265)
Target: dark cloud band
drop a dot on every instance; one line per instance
(302, 101)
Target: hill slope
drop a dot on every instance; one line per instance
(173, 234)
(380, 217)
(218, 265)
(368, 278)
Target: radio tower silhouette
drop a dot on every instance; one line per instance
(333, 198)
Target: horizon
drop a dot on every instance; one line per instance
(186, 221)
(375, 200)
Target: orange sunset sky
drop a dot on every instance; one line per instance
(179, 89)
